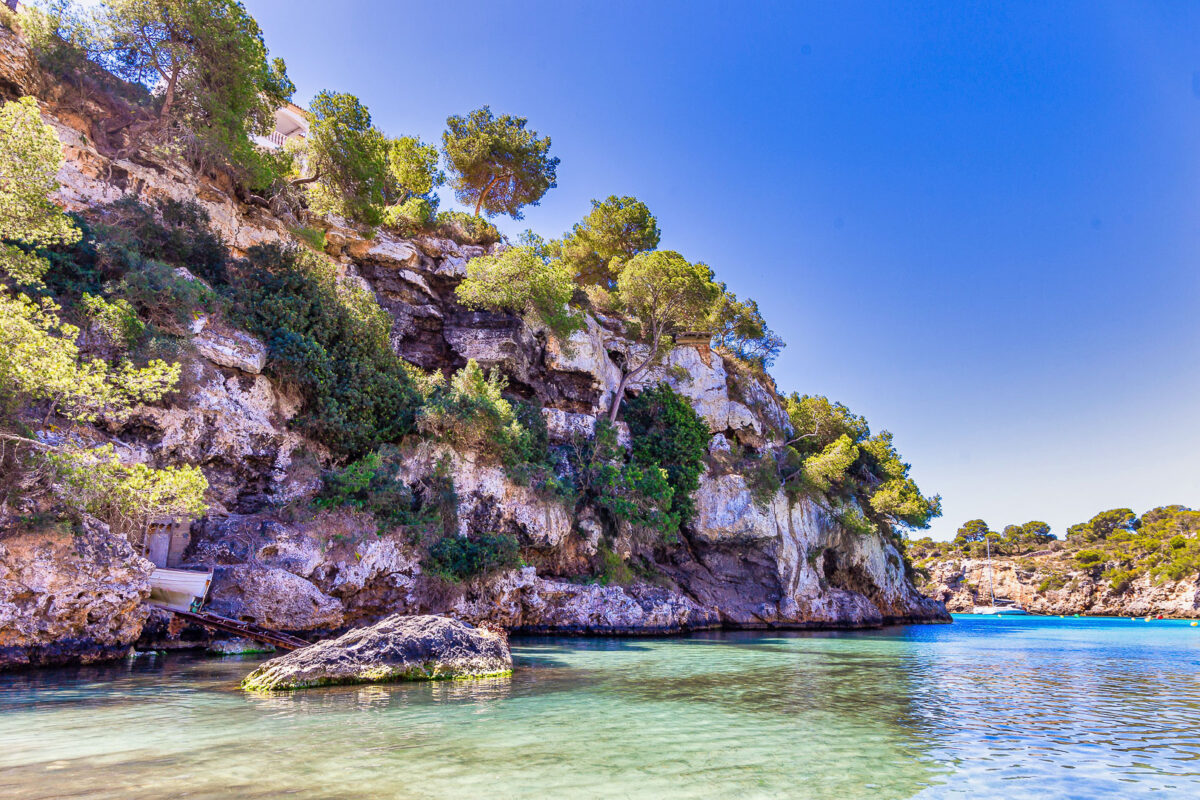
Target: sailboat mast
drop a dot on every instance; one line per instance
(991, 580)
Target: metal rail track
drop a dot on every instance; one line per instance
(216, 622)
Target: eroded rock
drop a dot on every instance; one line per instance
(397, 648)
(70, 598)
(272, 598)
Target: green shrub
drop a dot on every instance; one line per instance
(410, 218)
(1120, 579)
(470, 412)
(637, 493)
(371, 484)
(126, 496)
(330, 338)
(165, 297)
(612, 570)
(456, 558)
(466, 228)
(833, 452)
(313, 238)
(1090, 558)
(117, 321)
(128, 236)
(669, 434)
(173, 232)
(1053, 581)
(523, 281)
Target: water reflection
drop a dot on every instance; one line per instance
(979, 709)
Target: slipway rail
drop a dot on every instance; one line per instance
(183, 591)
(226, 625)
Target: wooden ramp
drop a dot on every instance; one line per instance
(215, 622)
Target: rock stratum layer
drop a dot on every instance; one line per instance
(739, 563)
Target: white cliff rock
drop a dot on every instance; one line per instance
(231, 348)
(88, 179)
(484, 491)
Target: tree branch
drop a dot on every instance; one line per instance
(301, 181)
(26, 441)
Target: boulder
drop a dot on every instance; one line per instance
(397, 648)
(272, 598)
(233, 349)
(70, 598)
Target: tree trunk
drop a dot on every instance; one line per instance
(483, 195)
(626, 377)
(169, 95)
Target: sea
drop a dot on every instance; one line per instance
(987, 707)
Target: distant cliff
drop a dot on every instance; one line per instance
(1045, 584)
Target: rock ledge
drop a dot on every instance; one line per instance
(398, 648)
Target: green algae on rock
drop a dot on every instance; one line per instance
(398, 648)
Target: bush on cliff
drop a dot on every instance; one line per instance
(459, 558)
(328, 337)
(833, 453)
(126, 496)
(470, 412)
(669, 434)
(30, 157)
(740, 332)
(637, 493)
(522, 280)
(372, 484)
(616, 230)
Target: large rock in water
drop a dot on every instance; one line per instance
(69, 598)
(399, 648)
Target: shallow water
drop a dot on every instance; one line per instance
(984, 708)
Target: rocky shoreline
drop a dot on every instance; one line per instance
(1042, 585)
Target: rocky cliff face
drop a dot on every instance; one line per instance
(1044, 587)
(740, 563)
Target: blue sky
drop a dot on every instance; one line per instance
(976, 224)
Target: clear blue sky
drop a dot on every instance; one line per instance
(976, 224)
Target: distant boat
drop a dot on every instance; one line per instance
(1002, 607)
(999, 609)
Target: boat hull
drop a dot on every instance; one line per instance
(999, 611)
(179, 589)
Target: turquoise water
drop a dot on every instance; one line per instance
(984, 708)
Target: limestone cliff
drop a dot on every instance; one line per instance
(1044, 584)
(741, 562)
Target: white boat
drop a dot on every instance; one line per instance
(179, 589)
(1001, 611)
(998, 608)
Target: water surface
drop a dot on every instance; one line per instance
(984, 708)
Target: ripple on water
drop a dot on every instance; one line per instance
(983, 708)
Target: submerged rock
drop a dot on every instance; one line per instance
(238, 645)
(398, 648)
